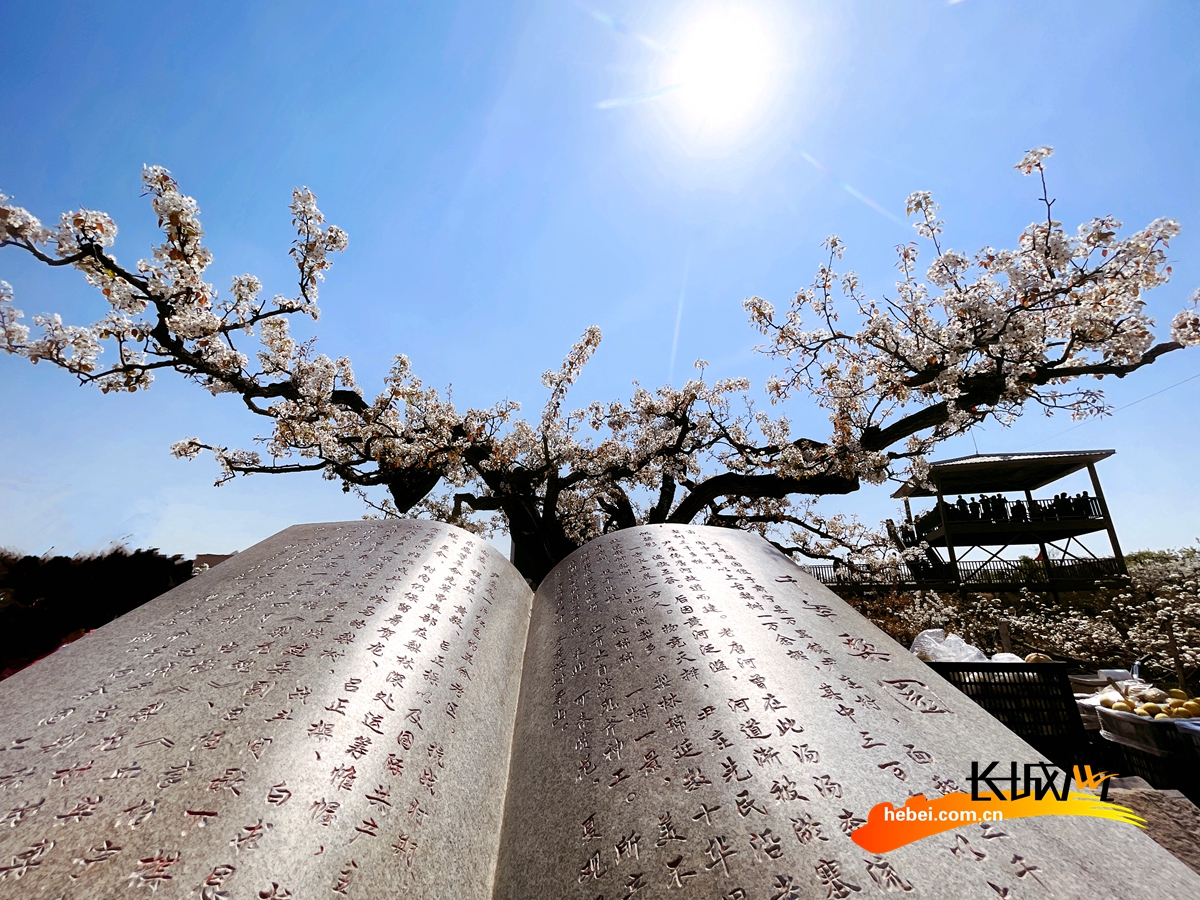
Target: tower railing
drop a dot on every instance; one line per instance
(968, 572)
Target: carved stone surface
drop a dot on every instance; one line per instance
(698, 718)
(334, 713)
(327, 714)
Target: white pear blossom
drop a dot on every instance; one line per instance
(979, 336)
(1033, 159)
(1154, 619)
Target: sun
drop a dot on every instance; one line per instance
(723, 68)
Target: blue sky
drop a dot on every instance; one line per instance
(499, 201)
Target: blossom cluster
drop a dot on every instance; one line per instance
(1154, 619)
(977, 337)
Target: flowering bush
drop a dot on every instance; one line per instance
(1155, 619)
(978, 338)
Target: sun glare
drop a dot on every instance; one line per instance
(722, 68)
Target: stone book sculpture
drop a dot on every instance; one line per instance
(384, 709)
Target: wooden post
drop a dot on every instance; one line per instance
(1174, 648)
(1108, 522)
(1005, 638)
(949, 542)
(1041, 543)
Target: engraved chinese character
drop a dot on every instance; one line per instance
(1024, 868)
(806, 754)
(141, 811)
(358, 747)
(249, 836)
(589, 829)
(427, 780)
(765, 845)
(784, 790)
(678, 873)
(345, 878)
(324, 811)
(848, 822)
(829, 871)
(342, 777)
(101, 852)
(719, 853)
(705, 813)
(807, 829)
(918, 756)
(338, 706)
(827, 786)
(730, 771)
(747, 804)
(368, 828)
(231, 780)
(21, 812)
(627, 846)
(666, 831)
(27, 859)
(764, 755)
(84, 809)
(593, 869)
(406, 848)
(963, 849)
(154, 871)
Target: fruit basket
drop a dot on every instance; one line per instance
(1088, 715)
(1190, 729)
(1159, 737)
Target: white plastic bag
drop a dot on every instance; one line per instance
(955, 649)
(934, 645)
(925, 643)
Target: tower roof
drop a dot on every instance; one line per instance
(989, 473)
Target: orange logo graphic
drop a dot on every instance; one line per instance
(889, 827)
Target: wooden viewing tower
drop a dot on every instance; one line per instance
(994, 521)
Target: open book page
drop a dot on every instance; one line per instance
(328, 714)
(699, 718)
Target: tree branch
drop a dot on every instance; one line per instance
(733, 484)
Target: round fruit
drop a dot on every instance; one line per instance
(1107, 702)
(1177, 694)
(1122, 706)
(1174, 703)
(1152, 708)
(1162, 716)
(1141, 712)
(1038, 658)
(1192, 706)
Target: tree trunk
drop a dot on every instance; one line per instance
(410, 487)
(538, 543)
